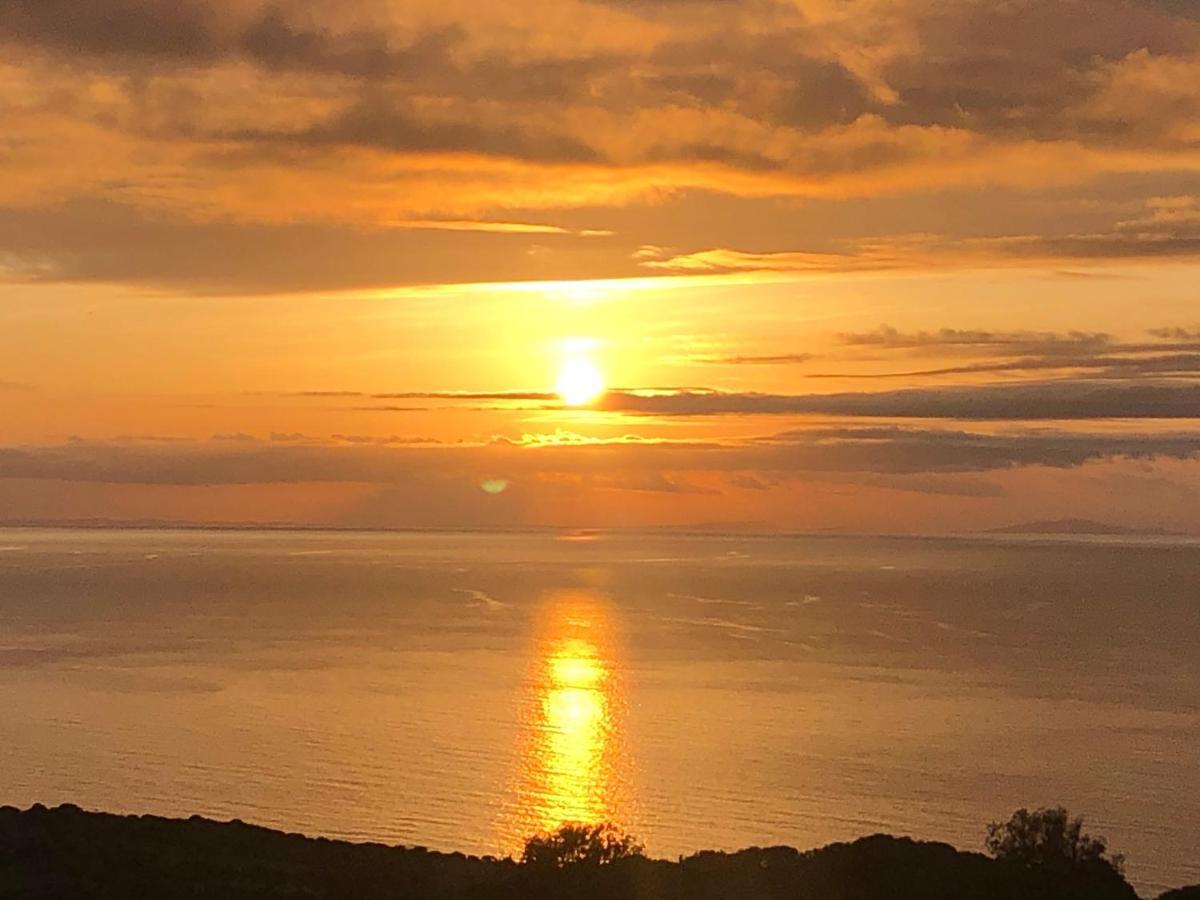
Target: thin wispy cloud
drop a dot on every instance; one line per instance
(1095, 355)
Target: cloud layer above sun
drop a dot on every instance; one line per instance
(379, 142)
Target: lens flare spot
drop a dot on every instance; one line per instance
(494, 486)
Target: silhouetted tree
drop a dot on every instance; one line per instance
(1048, 838)
(578, 843)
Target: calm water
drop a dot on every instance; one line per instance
(462, 690)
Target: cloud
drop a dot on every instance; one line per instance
(382, 440)
(1028, 68)
(776, 76)
(1178, 7)
(1148, 239)
(494, 227)
(1176, 333)
(1096, 354)
(1024, 342)
(742, 87)
(1020, 401)
(1017, 351)
(1111, 387)
(485, 397)
(263, 132)
(898, 450)
(654, 467)
(394, 125)
(325, 394)
(186, 30)
(950, 486)
(723, 261)
(196, 32)
(766, 360)
(1173, 365)
(102, 241)
(467, 395)
(650, 482)
(674, 7)
(275, 42)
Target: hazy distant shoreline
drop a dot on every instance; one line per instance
(1060, 528)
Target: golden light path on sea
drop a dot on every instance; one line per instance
(573, 764)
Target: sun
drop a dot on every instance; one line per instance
(579, 381)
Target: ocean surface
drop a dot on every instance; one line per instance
(460, 691)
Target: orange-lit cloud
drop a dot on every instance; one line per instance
(219, 111)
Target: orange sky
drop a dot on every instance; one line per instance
(903, 265)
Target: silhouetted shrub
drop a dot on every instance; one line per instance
(580, 844)
(1048, 838)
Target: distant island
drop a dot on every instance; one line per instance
(1079, 526)
(67, 852)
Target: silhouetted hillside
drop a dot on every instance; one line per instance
(65, 852)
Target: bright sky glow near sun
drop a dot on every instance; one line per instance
(872, 265)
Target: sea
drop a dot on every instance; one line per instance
(461, 691)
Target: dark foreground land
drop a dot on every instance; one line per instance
(66, 852)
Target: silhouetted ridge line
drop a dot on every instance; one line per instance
(67, 852)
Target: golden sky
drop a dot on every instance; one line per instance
(883, 265)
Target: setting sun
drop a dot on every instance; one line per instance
(579, 382)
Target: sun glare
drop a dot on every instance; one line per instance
(579, 381)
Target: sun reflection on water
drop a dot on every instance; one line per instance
(573, 763)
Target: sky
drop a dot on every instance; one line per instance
(862, 265)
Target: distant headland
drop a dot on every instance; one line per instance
(1081, 527)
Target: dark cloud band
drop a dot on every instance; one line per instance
(1061, 400)
(882, 450)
